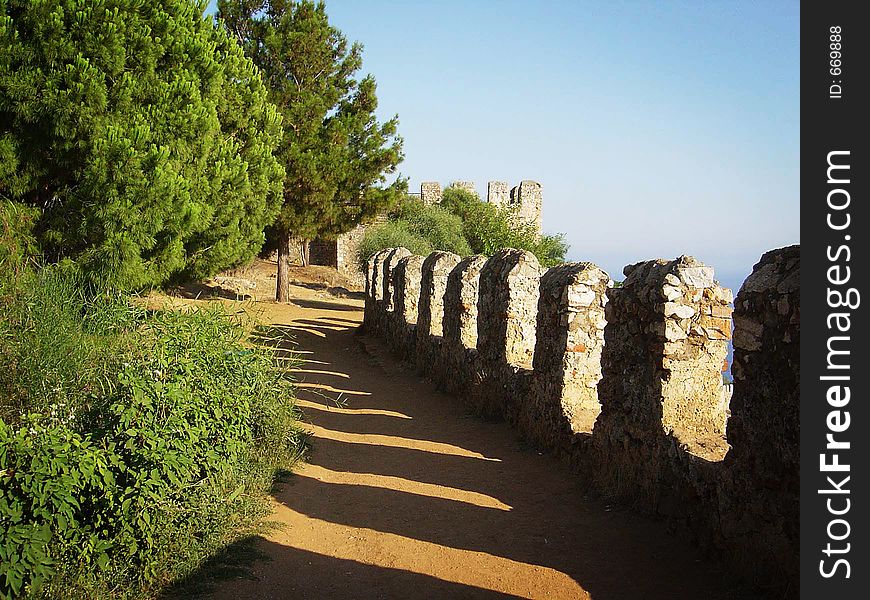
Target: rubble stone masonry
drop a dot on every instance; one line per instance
(624, 382)
(567, 362)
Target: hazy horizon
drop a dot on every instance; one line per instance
(655, 129)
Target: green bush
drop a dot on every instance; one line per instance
(439, 226)
(462, 224)
(419, 228)
(391, 234)
(125, 477)
(490, 228)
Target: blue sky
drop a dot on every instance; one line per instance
(656, 128)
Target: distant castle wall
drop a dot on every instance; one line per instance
(341, 253)
(625, 382)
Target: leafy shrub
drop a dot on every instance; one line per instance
(439, 226)
(489, 228)
(462, 224)
(550, 249)
(419, 228)
(391, 234)
(127, 476)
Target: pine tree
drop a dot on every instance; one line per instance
(141, 132)
(335, 153)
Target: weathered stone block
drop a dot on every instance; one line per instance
(662, 361)
(435, 270)
(460, 302)
(389, 263)
(507, 308)
(407, 278)
(764, 427)
(430, 320)
(567, 359)
(374, 297)
(498, 193)
(430, 193)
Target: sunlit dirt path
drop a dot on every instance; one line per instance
(406, 496)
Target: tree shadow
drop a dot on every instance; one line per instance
(436, 478)
(322, 305)
(197, 290)
(303, 574)
(232, 562)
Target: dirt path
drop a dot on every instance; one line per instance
(406, 496)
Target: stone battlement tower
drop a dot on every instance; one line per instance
(341, 253)
(526, 198)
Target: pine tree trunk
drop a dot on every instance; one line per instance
(282, 289)
(306, 253)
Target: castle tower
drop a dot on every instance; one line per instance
(497, 193)
(468, 186)
(430, 192)
(530, 199)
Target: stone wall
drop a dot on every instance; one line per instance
(459, 363)
(347, 251)
(342, 252)
(507, 307)
(460, 302)
(374, 292)
(625, 382)
(430, 320)
(406, 281)
(666, 341)
(430, 192)
(498, 193)
(531, 200)
(764, 427)
(323, 252)
(567, 362)
(468, 186)
(390, 260)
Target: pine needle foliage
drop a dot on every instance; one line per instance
(141, 133)
(336, 154)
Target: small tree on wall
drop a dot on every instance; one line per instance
(336, 154)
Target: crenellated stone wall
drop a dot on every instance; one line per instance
(374, 291)
(669, 326)
(460, 302)
(390, 260)
(430, 320)
(567, 362)
(498, 193)
(406, 282)
(624, 382)
(531, 200)
(342, 251)
(430, 192)
(507, 306)
(764, 427)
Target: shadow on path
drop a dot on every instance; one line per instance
(406, 496)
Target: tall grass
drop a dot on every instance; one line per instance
(60, 342)
(133, 443)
